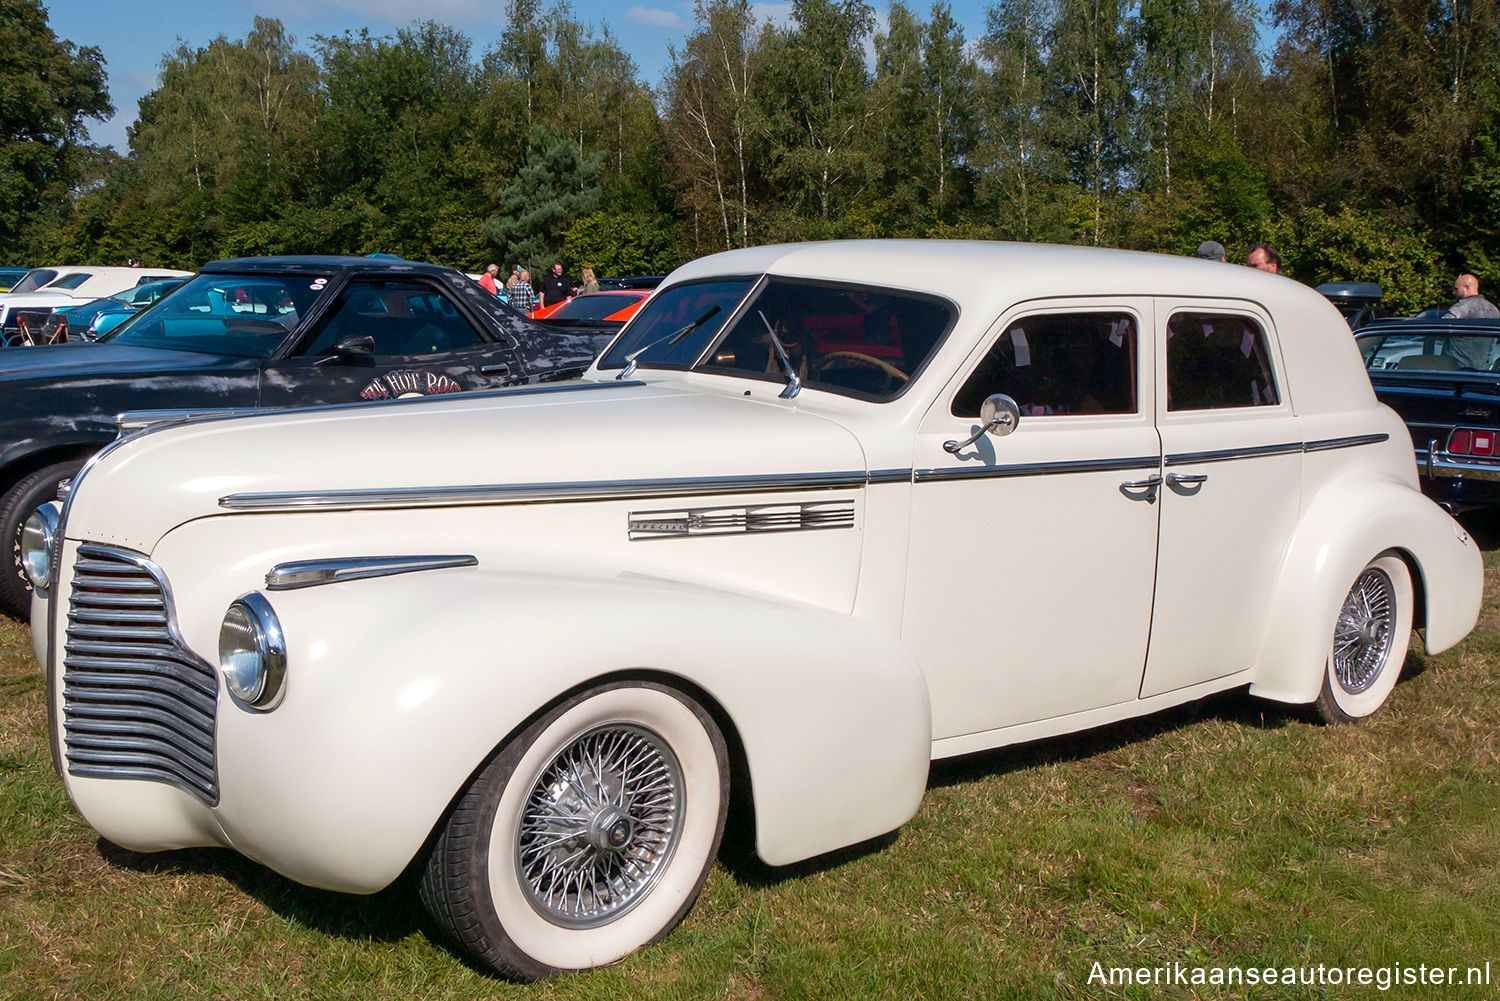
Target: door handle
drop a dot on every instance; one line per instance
(1149, 483)
(501, 369)
(1186, 479)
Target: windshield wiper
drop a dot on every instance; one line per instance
(793, 384)
(675, 337)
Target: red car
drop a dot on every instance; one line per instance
(594, 309)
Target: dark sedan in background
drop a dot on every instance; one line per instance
(1441, 377)
(262, 332)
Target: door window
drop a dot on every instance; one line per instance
(401, 317)
(1058, 365)
(1218, 360)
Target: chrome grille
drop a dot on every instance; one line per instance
(137, 703)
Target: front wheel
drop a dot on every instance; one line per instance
(587, 836)
(16, 506)
(1369, 642)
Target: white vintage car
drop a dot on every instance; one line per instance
(821, 514)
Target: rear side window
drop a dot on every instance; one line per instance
(1059, 365)
(1217, 361)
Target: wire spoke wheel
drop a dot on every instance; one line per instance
(586, 836)
(1369, 643)
(1363, 637)
(599, 826)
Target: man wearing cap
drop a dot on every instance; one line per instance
(1210, 250)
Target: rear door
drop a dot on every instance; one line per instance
(1232, 465)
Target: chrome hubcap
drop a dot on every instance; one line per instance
(1362, 639)
(600, 825)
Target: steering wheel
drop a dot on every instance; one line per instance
(893, 375)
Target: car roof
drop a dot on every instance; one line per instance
(988, 279)
(321, 264)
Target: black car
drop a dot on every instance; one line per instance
(1359, 302)
(262, 332)
(1443, 378)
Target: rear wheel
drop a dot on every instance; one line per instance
(1369, 641)
(587, 836)
(15, 507)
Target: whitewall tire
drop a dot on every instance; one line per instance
(587, 836)
(1369, 641)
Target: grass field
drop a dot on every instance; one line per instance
(1234, 833)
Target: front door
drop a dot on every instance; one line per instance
(422, 344)
(1033, 555)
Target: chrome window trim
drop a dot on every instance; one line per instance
(1038, 469)
(315, 573)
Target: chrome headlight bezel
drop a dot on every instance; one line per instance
(252, 653)
(38, 536)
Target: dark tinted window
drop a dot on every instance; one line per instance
(34, 279)
(849, 339)
(402, 317)
(1218, 360)
(1059, 365)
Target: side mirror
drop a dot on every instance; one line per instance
(998, 415)
(355, 346)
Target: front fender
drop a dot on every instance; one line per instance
(399, 688)
(1348, 524)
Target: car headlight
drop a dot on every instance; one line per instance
(36, 544)
(252, 653)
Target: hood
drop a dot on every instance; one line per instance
(600, 434)
(66, 361)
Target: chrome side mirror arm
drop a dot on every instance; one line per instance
(998, 415)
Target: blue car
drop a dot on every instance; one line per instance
(88, 320)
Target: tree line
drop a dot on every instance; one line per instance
(1365, 146)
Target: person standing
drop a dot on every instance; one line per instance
(556, 287)
(1470, 304)
(590, 283)
(1263, 257)
(1210, 250)
(487, 280)
(522, 296)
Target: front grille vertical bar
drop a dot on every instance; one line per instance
(137, 703)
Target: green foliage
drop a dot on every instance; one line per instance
(555, 188)
(1318, 246)
(622, 243)
(47, 88)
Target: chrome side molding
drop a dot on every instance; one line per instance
(315, 573)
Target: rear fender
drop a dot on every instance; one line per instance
(1347, 525)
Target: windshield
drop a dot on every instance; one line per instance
(246, 316)
(594, 307)
(34, 279)
(694, 312)
(1458, 350)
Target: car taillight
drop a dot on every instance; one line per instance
(1471, 441)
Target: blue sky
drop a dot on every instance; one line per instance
(135, 36)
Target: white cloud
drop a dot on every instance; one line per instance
(654, 17)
